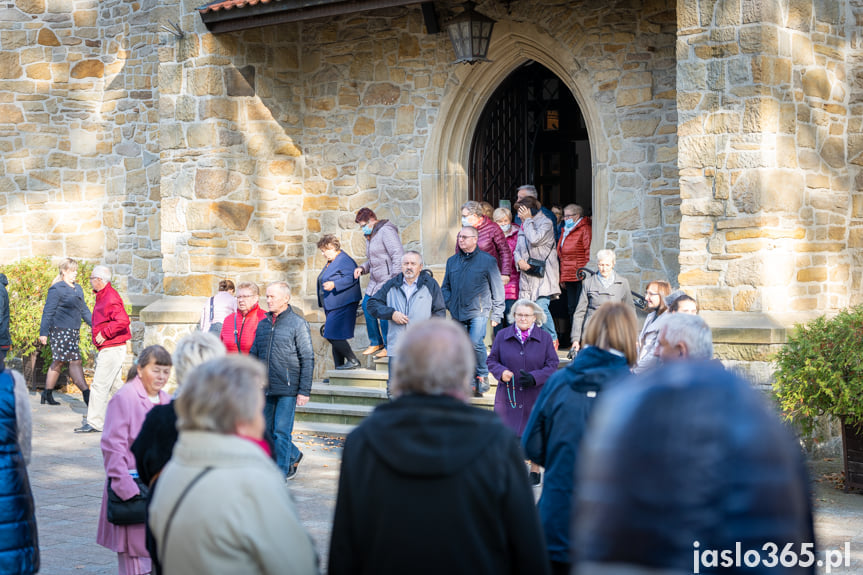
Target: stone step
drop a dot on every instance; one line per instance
(341, 413)
(357, 378)
(348, 394)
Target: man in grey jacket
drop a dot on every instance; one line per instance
(410, 297)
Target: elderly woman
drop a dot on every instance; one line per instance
(384, 253)
(503, 218)
(522, 358)
(153, 446)
(123, 420)
(655, 295)
(559, 419)
(536, 243)
(239, 328)
(603, 286)
(222, 506)
(339, 294)
(62, 315)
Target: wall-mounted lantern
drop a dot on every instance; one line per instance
(470, 34)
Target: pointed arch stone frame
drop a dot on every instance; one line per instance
(444, 178)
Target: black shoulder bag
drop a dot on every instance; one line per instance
(537, 266)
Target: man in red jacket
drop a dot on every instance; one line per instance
(110, 334)
(238, 329)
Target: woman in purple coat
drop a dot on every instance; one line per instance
(522, 358)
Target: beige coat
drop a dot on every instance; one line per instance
(536, 240)
(237, 519)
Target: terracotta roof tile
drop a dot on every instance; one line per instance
(229, 4)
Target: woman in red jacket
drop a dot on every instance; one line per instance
(238, 329)
(573, 251)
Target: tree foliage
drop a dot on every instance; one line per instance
(820, 370)
(29, 280)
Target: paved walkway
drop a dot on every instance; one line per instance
(67, 478)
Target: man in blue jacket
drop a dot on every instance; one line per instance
(284, 343)
(473, 291)
(406, 299)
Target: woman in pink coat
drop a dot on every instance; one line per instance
(503, 218)
(123, 420)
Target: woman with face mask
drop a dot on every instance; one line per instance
(503, 218)
(384, 253)
(573, 250)
(490, 238)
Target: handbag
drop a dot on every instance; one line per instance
(129, 511)
(537, 266)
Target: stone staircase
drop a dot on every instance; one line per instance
(337, 406)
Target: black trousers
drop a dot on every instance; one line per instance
(341, 351)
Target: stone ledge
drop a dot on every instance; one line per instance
(174, 309)
(744, 328)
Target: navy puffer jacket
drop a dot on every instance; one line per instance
(284, 344)
(19, 545)
(5, 340)
(689, 452)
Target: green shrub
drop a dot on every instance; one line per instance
(820, 370)
(29, 280)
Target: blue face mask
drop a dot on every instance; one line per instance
(506, 228)
(464, 222)
(367, 230)
(569, 224)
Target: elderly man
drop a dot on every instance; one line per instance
(473, 291)
(410, 297)
(430, 484)
(684, 336)
(110, 334)
(284, 343)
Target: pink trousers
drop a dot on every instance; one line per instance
(133, 565)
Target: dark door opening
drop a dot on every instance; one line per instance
(532, 132)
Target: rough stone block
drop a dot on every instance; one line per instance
(697, 277)
(10, 65)
(381, 94)
(364, 126)
(320, 203)
(88, 69)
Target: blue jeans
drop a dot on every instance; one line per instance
(548, 324)
(376, 329)
(279, 417)
(476, 332)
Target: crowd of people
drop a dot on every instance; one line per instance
(428, 483)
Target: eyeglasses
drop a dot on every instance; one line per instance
(567, 216)
(650, 293)
(461, 237)
(246, 296)
(525, 315)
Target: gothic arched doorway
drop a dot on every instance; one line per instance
(532, 132)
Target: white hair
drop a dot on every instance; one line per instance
(528, 190)
(283, 286)
(606, 255)
(102, 272)
(690, 330)
(193, 350)
(540, 313)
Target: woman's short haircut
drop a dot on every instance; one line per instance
(606, 255)
(434, 357)
(193, 350)
(472, 207)
(329, 241)
(538, 311)
(220, 394)
(365, 215)
(487, 209)
(529, 202)
(226, 285)
(154, 354)
(663, 288)
(502, 213)
(613, 326)
(250, 286)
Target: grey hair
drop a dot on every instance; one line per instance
(102, 272)
(433, 357)
(472, 207)
(540, 313)
(286, 289)
(690, 330)
(250, 286)
(416, 253)
(606, 255)
(579, 211)
(193, 350)
(222, 393)
(528, 190)
(502, 213)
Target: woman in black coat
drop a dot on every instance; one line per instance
(62, 315)
(339, 294)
